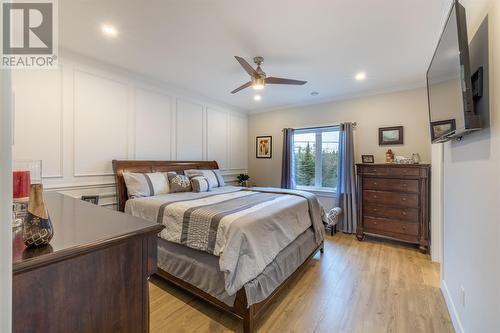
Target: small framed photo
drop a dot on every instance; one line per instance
(388, 136)
(264, 147)
(443, 127)
(94, 199)
(367, 159)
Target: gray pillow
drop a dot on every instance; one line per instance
(200, 184)
(178, 183)
(214, 176)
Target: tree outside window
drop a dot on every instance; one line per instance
(316, 158)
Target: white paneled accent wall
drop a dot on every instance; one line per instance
(189, 130)
(100, 123)
(80, 117)
(217, 136)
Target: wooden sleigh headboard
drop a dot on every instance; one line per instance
(121, 166)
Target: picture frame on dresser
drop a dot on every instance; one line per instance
(393, 202)
(367, 159)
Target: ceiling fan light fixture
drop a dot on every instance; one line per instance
(258, 83)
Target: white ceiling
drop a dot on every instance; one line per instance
(191, 43)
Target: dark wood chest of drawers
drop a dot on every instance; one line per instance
(92, 278)
(393, 201)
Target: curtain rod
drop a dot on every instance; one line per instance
(317, 127)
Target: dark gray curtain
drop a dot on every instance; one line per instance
(287, 168)
(346, 181)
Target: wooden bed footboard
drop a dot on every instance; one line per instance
(240, 309)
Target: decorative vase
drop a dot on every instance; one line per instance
(37, 228)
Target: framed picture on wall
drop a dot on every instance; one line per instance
(388, 136)
(91, 198)
(264, 147)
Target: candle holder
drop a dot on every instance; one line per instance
(24, 173)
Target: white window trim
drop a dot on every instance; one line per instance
(323, 191)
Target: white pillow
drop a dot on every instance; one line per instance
(146, 184)
(214, 176)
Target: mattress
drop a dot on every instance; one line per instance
(201, 269)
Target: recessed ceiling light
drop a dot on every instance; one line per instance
(314, 93)
(257, 98)
(360, 76)
(109, 30)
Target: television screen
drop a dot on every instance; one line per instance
(449, 81)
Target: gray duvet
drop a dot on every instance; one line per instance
(245, 228)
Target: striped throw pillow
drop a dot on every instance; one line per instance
(214, 176)
(200, 184)
(145, 184)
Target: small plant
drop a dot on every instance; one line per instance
(242, 178)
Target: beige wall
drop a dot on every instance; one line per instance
(407, 108)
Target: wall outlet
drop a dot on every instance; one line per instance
(462, 295)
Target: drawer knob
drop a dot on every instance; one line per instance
(404, 184)
(403, 198)
(403, 212)
(375, 183)
(374, 222)
(404, 228)
(374, 197)
(375, 209)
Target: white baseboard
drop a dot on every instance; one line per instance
(455, 318)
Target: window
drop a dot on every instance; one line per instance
(316, 154)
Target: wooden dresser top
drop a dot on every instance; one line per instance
(79, 227)
(393, 165)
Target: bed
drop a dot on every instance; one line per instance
(243, 276)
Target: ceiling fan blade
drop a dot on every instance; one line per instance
(278, 80)
(246, 85)
(246, 66)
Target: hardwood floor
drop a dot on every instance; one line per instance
(369, 286)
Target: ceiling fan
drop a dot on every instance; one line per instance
(258, 78)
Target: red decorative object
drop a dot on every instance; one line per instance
(21, 183)
(389, 156)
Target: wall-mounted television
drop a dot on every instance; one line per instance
(450, 88)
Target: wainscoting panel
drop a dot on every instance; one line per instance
(100, 123)
(189, 129)
(217, 137)
(38, 119)
(80, 117)
(238, 142)
(153, 125)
